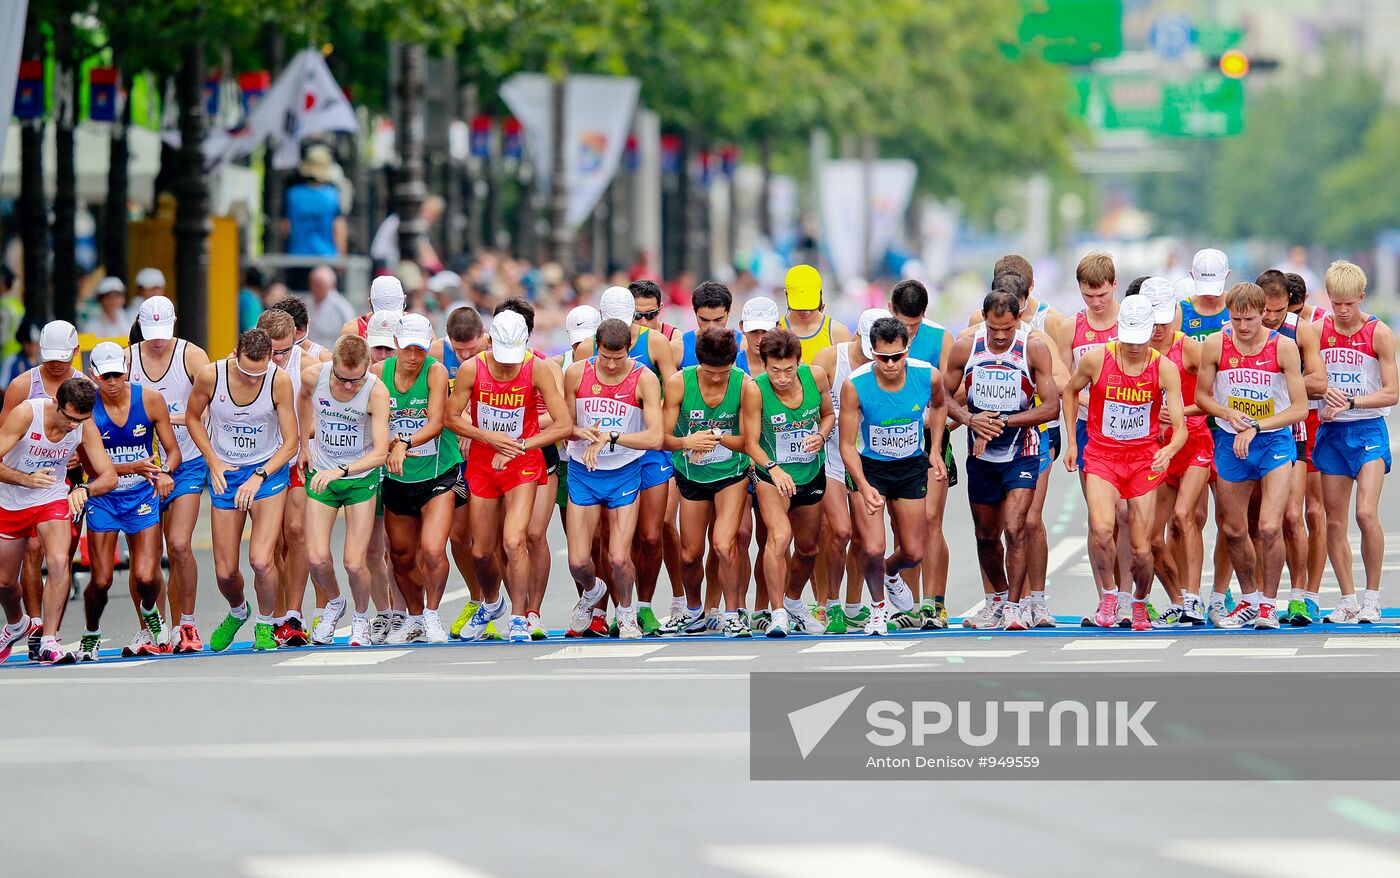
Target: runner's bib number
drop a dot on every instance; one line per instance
(1124, 421)
(408, 427)
(995, 390)
(788, 444)
(896, 441)
(508, 421)
(1258, 409)
(718, 454)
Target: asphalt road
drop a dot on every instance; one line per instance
(607, 758)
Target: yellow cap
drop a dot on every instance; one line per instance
(804, 288)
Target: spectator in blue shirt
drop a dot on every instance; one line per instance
(314, 225)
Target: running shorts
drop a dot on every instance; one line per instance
(129, 512)
(21, 524)
(807, 493)
(1313, 423)
(274, 484)
(1199, 450)
(409, 498)
(905, 479)
(1267, 452)
(989, 482)
(490, 484)
(190, 477)
(1344, 447)
(705, 492)
(657, 469)
(609, 488)
(1129, 472)
(350, 491)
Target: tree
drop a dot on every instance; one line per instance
(33, 209)
(1360, 197)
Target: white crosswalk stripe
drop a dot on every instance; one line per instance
(1116, 643)
(405, 865)
(1260, 651)
(343, 658)
(1363, 641)
(868, 645)
(836, 861)
(967, 653)
(702, 658)
(602, 651)
(1288, 858)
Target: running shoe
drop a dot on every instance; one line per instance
(1106, 616)
(432, 627)
(189, 640)
(817, 612)
(379, 627)
(1011, 618)
(284, 631)
(296, 629)
(36, 639)
(1243, 614)
(860, 617)
(88, 647)
(1370, 613)
(1170, 619)
(1230, 602)
(156, 626)
(876, 624)
(714, 619)
(1040, 615)
(537, 629)
(909, 620)
(804, 621)
(141, 644)
(1151, 612)
(53, 654)
(627, 627)
(222, 638)
(1267, 617)
(462, 618)
(407, 631)
(735, 626)
(1125, 610)
(582, 615)
(262, 637)
(1141, 621)
(360, 634)
(519, 630)
(1192, 610)
(762, 622)
(324, 632)
(989, 616)
(777, 625)
(1313, 612)
(901, 598)
(1296, 615)
(1344, 614)
(647, 621)
(1215, 614)
(836, 620)
(475, 629)
(9, 638)
(598, 627)
(935, 616)
(676, 623)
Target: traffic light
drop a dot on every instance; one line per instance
(1235, 64)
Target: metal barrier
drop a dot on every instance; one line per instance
(355, 272)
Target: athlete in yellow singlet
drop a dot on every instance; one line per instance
(806, 316)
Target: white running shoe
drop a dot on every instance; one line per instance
(1125, 609)
(900, 596)
(987, 617)
(627, 627)
(806, 622)
(1040, 616)
(475, 629)
(324, 632)
(519, 630)
(582, 614)
(141, 644)
(1369, 614)
(714, 619)
(433, 632)
(1243, 614)
(778, 624)
(403, 632)
(878, 623)
(1012, 619)
(379, 628)
(1215, 614)
(1344, 614)
(360, 633)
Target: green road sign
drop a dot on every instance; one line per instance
(1203, 105)
(1073, 31)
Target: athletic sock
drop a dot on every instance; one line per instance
(596, 593)
(643, 605)
(46, 640)
(263, 620)
(1266, 602)
(832, 604)
(929, 602)
(416, 618)
(1296, 594)
(361, 617)
(146, 611)
(97, 633)
(730, 615)
(1038, 597)
(1001, 595)
(21, 625)
(1251, 597)
(852, 609)
(1217, 599)
(1137, 601)
(1371, 598)
(600, 613)
(792, 606)
(282, 619)
(1026, 603)
(1111, 593)
(186, 619)
(240, 612)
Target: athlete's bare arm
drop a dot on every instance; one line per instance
(195, 360)
(828, 411)
(1170, 380)
(671, 415)
(561, 420)
(16, 424)
(751, 424)
(351, 328)
(104, 475)
(649, 392)
(1085, 374)
(1040, 356)
(952, 381)
(306, 413)
(378, 452)
(200, 395)
(1205, 385)
(1383, 343)
(165, 431)
(17, 392)
(557, 372)
(284, 402)
(1309, 343)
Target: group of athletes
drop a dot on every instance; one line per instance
(689, 450)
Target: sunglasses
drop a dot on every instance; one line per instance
(343, 380)
(71, 419)
(277, 352)
(647, 315)
(892, 357)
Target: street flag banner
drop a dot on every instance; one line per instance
(304, 100)
(597, 119)
(11, 46)
(844, 219)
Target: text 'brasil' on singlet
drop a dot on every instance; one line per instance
(1123, 408)
(1352, 366)
(1249, 383)
(607, 408)
(1001, 382)
(892, 421)
(1198, 325)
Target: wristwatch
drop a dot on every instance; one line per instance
(345, 470)
(1351, 403)
(1004, 418)
(260, 473)
(165, 470)
(1251, 422)
(768, 467)
(612, 440)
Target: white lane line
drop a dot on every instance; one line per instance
(869, 645)
(1064, 551)
(967, 653)
(409, 865)
(1103, 662)
(606, 650)
(1259, 651)
(343, 658)
(121, 663)
(702, 658)
(1094, 645)
(899, 666)
(836, 861)
(1362, 641)
(1288, 858)
(68, 751)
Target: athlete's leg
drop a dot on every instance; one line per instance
(583, 526)
(177, 520)
(320, 521)
(1102, 499)
(1224, 566)
(461, 542)
(101, 551)
(671, 539)
(695, 517)
(1123, 571)
(806, 530)
(56, 538)
(359, 522)
(1185, 529)
(267, 523)
(377, 567)
(226, 531)
(292, 564)
(731, 504)
(648, 550)
(869, 530)
(1316, 517)
(986, 530)
(517, 505)
(909, 521)
(32, 577)
(1277, 491)
(538, 542)
(1295, 534)
(1037, 538)
(1232, 502)
(403, 532)
(1019, 542)
(1336, 493)
(773, 507)
(1369, 481)
(622, 527)
(1164, 562)
(1142, 514)
(836, 507)
(434, 530)
(11, 559)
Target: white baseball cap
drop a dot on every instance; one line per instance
(1135, 320)
(1160, 292)
(382, 326)
(617, 304)
(58, 341)
(1210, 268)
(157, 318)
(863, 327)
(444, 281)
(150, 278)
(415, 330)
(582, 323)
(108, 358)
(759, 313)
(110, 285)
(386, 294)
(510, 338)
(1185, 287)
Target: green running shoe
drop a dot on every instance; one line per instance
(860, 617)
(1151, 612)
(1298, 614)
(88, 647)
(649, 623)
(222, 638)
(492, 633)
(466, 616)
(836, 620)
(153, 624)
(262, 637)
